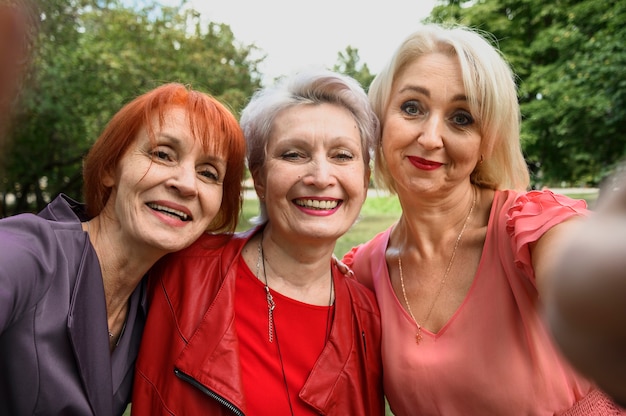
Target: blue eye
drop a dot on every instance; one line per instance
(411, 107)
(462, 119)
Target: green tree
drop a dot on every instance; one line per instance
(40, 135)
(93, 57)
(569, 57)
(348, 63)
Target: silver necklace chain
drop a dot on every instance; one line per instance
(270, 299)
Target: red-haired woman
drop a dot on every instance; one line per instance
(71, 293)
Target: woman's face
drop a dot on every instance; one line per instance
(166, 194)
(314, 180)
(430, 139)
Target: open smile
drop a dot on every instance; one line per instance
(324, 204)
(170, 211)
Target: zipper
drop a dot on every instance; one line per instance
(364, 344)
(208, 392)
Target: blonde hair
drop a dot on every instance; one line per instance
(490, 88)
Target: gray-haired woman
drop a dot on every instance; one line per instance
(266, 324)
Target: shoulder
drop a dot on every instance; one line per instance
(519, 220)
(34, 252)
(205, 245)
(538, 209)
(64, 209)
(208, 245)
(25, 244)
(368, 258)
(49, 228)
(28, 235)
(210, 255)
(539, 201)
(362, 297)
(368, 251)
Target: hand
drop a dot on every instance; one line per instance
(342, 267)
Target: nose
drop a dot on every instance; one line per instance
(320, 173)
(431, 135)
(184, 180)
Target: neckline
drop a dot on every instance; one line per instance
(476, 280)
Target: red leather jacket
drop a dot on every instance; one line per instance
(188, 362)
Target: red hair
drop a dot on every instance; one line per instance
(209, 121)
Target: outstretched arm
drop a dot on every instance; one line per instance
(586, 294)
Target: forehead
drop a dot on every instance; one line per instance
(310, 119)
(432, 69)
(177, 122)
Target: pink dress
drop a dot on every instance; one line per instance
(494, 356)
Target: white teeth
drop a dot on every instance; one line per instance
(316, 203)
(170, 211)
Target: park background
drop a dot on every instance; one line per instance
(380, 211)
(90, 57)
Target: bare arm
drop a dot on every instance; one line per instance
(585, 294)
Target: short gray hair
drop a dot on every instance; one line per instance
(313, 86)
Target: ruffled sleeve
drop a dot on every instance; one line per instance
(532, 214)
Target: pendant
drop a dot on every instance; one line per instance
(418, 336)
(270, 319)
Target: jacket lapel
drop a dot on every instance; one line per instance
(328, 367)
(87, 311)
(211, 355)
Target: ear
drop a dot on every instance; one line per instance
(259, 183)
(108, 179)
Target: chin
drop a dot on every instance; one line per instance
(170, 244)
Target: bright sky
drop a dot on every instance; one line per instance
(295, 34)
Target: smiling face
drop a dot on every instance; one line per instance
(314, 180)
(165, 194)
(431, 141)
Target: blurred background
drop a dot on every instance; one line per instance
(86, 58)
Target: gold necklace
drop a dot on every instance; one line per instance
(418, 336)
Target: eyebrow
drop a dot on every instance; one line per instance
(426, 92)
(171, 138)
(210, 158)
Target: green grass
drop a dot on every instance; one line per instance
(377, 214)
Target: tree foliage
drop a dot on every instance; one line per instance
(91, 58)
(569, 56)
(348, 63)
